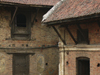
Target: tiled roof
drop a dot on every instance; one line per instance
(73, 9)
(33, 2)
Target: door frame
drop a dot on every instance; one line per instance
(14, 61)
(82, 58)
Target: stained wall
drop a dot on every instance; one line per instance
(41, 36)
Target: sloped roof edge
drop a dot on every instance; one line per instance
(71, 9)
(31, 5)
(71, 20)
(31, 2)
(45, 16)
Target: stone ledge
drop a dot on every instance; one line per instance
(80, 47)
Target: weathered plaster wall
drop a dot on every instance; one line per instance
(40, 35)
(43, 62)
(5, 63)
(47, 67)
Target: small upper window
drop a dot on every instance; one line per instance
(21, 20)
(21, 26)
(80, 38)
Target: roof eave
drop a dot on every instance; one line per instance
(69, 20)
(20, 4)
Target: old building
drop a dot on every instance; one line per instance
(77, 23)
(27, 47)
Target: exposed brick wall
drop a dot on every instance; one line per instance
(93, 29)
(69, 67)
(94, 60)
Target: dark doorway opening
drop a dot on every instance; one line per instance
(20, 64)
(83, 66)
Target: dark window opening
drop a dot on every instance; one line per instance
(21, 20)
(80, 38)
(83, 66)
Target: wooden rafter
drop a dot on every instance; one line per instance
(81, 31)
(59, 35)
(71, 35)
(37, 10)
(14, 14)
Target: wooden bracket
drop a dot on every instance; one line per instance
(59, 35)
(71, 35)
(14, 15)
(81, 31)
(37, 10)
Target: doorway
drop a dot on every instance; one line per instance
(20, 64)
(83, 66)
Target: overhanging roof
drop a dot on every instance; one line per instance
(72, 9)
(32, 2)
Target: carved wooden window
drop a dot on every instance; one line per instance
(21, 26)
(80, 38)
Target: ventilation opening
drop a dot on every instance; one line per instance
(46, 64)
(21, 20)
(83, 66)
(98, 65)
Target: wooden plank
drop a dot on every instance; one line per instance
(20, 64)
(81, 31)
(59, 35)
(14, 14)
(37, 10)
(71, 35)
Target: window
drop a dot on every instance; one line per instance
(21, 20)
(21, 26)
(80, 38)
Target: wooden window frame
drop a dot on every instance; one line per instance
(15, 35)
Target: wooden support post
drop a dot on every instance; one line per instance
(71, 35)
(59, 35)
(37, 10)
(81, 31)
(14, 14)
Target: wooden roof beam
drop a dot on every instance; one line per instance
(71, 35)
(59, 35)
(14, 15)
